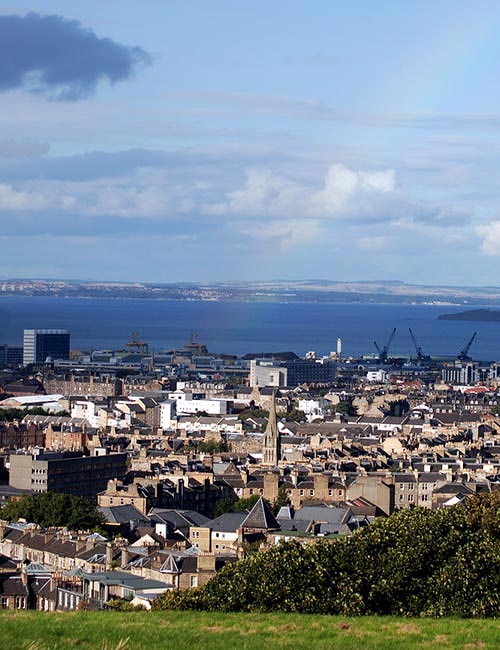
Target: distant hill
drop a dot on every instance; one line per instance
(473, 315)
(368, 291)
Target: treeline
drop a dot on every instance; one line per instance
(415, 563)
(54, 509)
(12, 414)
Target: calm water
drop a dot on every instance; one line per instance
(241, 327)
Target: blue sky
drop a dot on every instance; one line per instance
(176, 140)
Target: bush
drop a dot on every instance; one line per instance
(421, 562)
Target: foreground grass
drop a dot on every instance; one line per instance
(217, 631)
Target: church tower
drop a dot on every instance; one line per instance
(271, 448)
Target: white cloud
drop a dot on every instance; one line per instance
(344, 193)
(491, 237)
(11, 199)
(268, 209)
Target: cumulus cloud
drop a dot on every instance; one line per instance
(344, 193)
(11, 199)
(267, 205)
(60, 58)
(490, 234)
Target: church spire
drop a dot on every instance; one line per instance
(272, 439)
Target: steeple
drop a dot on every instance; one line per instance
(271, 448)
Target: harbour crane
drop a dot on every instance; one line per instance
(464, 354)
(135, 345)
(420, 354)
(383, 353)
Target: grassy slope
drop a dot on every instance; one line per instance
(217, 631)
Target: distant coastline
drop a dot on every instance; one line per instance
(311, 291)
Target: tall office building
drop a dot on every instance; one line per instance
(11, 355)
(40, 344)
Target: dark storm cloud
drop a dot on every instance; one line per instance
(61, 58)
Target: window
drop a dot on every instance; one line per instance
(410, 498)
(311, 493)
(4, 602)
(411, 486)
(193, 581)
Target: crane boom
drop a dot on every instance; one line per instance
(420, 353)
(383, 353)
(390, 341)
(464, 354)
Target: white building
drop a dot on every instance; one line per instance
(267, 373)
(311, 407)
(88, 410)
(210, 406)
(379, 376)
(167, 413)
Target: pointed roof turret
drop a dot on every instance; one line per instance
(261, 517)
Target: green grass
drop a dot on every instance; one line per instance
(217, 631)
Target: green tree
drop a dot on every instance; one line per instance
(253, 413)
(346, 407)
(281, 500)
(11, 414)
(295, 415)
(55, 509)
(230, 505)
(214, 446)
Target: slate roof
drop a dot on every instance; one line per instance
(136, 583)
(121, 514)
(12, 586)
(178, 519)
(229, 522)
(261, 517)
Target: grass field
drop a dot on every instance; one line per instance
(192, 630)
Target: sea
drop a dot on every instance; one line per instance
(249, 327)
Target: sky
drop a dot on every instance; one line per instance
(195, 140)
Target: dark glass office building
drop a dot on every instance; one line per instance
(40, 344)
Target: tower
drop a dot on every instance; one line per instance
(271, 448)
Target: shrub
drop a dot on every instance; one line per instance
(421, 562)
